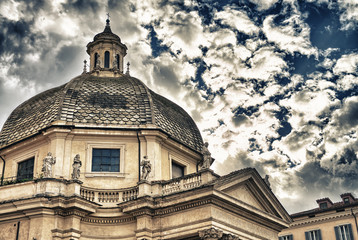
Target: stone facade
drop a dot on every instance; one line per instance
(73, 156)
(328, 221)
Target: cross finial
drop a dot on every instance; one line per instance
(127, 73)
(107, 21)
(85, 66)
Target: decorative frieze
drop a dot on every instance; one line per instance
(69, 212)
(99, 220)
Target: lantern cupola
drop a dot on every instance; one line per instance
(106, 53)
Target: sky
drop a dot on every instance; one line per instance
(271, 84)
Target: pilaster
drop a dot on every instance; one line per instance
(57, 147)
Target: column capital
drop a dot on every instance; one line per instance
(210, 234)
(230, 237)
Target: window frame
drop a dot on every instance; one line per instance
(22, 157)
(101, 157)
(286, 237)
(179, 161)
(348, 232)
(88, 169)
(173, 162)
(308, 237)
(117, 60)
(22, 162)
(107, 59)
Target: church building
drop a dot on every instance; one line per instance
(105, 157)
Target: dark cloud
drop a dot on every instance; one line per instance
(349, 116)
(82, 6)
(156, 44)
(280, 103)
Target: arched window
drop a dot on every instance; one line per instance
(117, 60)
(95, 59)
(106, 59)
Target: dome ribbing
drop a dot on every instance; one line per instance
(101, 102)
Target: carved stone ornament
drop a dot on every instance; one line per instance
(48, 162)
(146, 168)
(98, 62)
(210, 234)
(229, 237)
(76, 167)
(207, 160)
(267, 181)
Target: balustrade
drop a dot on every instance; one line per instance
(152, 188)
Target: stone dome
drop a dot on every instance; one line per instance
(89, 101)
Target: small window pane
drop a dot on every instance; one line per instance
(25, 169)
(177, 170)
(105, 160)
(115, 153)
(106, 59)
(117, 59)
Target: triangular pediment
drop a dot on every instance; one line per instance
(243, 193)
(248, 187)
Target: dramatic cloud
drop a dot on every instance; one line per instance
(271, 84)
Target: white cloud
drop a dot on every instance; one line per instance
(264, 4)
(349, 18)
(237, 20)
(346, 64)
(9, 10)
(287, 37)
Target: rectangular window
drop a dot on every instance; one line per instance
(25, 169)
(105, 160)
(323, 205)
(344, 232)
(177, 170)
(287, 237)
(313, 235)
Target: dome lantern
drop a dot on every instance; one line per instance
(106, 53)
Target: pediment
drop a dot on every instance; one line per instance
(243, 193)
(248, 187)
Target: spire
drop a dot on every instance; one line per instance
(107, 29)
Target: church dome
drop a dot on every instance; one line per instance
(89, 101)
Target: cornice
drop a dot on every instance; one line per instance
(181, 207)
(319, 219)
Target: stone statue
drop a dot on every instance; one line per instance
(207, 159)
(76, 167)
(267, 181)
(98, 62)
(114, 63)
(146, 168)
(47, 165)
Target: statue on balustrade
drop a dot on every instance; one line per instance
(76, 167)
(207, 160)
(146, 168)
(48, 162)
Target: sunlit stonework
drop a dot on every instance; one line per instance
(105, 157)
